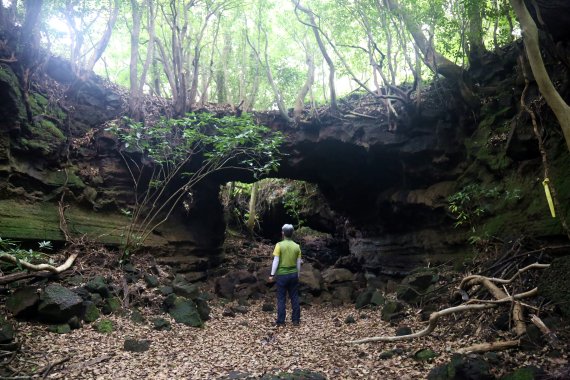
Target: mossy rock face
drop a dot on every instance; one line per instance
(12, 106)
(554, 284)
(104, 326)
(44, 137)
(161, 324)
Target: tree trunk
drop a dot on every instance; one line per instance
(252, 212)
(547, 89)
(322, 47)
(299, 103)
(135, 95)
(104, 41)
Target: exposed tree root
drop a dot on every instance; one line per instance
(492, 346)
(433, 319)
(500, 297)
(39, 269)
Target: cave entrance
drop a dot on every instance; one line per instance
(260, 209)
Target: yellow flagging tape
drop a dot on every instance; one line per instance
(549, 197)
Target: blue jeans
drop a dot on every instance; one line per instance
(288, 283)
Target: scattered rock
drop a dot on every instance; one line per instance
(240, 309)
(225, 288)
(112, 305)
(350, 319)
(404, 330)
(391, 310)
(268, 307)
(6, 331)
(229, 313)
(184, 311)
(460, 367)
(377, 298)
(182, 288)
(342, 294)
(151, 281)
(363, 299)
(165, 290)
(525, 373)
(23, 301)
(161, 324)
(137, 317)
(134, 345)
(74, 323)
(59, 304)
(203, 308)
(98, 285)
(425, 354)
(60, 329)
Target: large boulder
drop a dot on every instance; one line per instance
(416, 284)
(337, 275)
(23, 301)
(59, 304)
(310, 278)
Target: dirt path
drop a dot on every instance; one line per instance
(246, 343)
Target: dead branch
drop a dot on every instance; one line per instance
(548, 334)
(493, 346)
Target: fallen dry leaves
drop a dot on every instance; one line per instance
(249, 343)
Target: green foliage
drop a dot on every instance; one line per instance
(190, 149)
(474, 201)
(31, 256)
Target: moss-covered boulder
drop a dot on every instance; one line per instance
(111, 305)
(554, 284)
(59, 304)
(98, 285)
(136, 345)
(525, 373)
(91, 312)
(185, 311)
(391, 310)
(461, 368)
(183, 288)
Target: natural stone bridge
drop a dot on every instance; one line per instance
(387, 185)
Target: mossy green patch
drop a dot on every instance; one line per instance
(91, 313)
(40, 221)
(104, 326)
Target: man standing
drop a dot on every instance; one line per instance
(287, 266)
